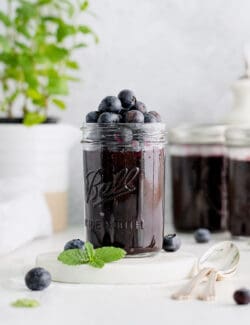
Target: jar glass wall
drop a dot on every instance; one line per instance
(238, 152)
(198, 177)
(124, 174)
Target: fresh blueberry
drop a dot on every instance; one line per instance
(123, 115)
(149, 118)
(202, 235)
(109, 118)
(74, 243)
(37, 279)
(134, 117)
(110, 104)
(125, 135)
(140, 106)
(92, 117)
(242, 296)
(127, 98)
(156, 115)
(171, 243)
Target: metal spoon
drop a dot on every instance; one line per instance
(219, 261)
(223, 258)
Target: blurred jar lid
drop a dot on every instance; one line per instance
(238, 135)
(198, 134)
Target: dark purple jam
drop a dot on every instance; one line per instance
(239, 197)
(124, 195)
(199, 192)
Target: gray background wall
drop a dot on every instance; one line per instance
(179, 56)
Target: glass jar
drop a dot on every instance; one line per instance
(124, 173)
(198, 177)
(238, 153)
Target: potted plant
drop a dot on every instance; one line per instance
(38, 39)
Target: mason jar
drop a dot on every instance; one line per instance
(198, 177)
(124, 178)
(238, 152)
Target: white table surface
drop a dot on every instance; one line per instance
(115, 304)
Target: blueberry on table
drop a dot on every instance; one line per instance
(156, 115)
(242, 296)
(110, 104)
(92, 117)
(37, 279)
(74, 243)
(127, 98)
(109, 118)
(202, 235)
(171, 243)
(134, 116)
(149, 118)
(140, 106)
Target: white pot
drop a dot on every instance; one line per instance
(40, 152)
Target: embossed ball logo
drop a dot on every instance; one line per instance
(99, 191)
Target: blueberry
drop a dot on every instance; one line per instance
(156, 115)
(127, 98)
(134, 117)
(109, 118)
(202, 235)
(140, 106)
(123, 115)
(124, 136)
(37, 279)
(242, 296)
(74, 243)
(92, 117)
(171, 243)
(149, 118)
(110, 104)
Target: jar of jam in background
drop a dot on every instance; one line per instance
(124, 177)
(238, 153)
(198, 177)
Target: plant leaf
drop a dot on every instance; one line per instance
(27, 303)
(97, 263)
(89, 249)
(72, 65)
(5, 19)
(84, 5)
(57, 86)
(59, 103)
(73, 257)
(33, 118)
(109, 254)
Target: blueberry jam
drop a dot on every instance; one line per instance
(125, 198)
(124, 175)
(239, 197)
(199, 192)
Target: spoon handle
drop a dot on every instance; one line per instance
(209, 292)
(186, 291)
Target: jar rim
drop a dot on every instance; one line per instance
(198, 134)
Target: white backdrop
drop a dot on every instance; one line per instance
(179, 56)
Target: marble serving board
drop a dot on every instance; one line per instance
(158, 269)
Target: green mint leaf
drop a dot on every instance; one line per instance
(109, 254)
(27, 303)
(90, 251)
(97, 263)
(73, 257)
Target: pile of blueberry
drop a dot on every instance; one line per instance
(122, 109)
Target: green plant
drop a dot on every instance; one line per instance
(37, 44)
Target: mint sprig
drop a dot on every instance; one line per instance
(94, 257)
(27, 303)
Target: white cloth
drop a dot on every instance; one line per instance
(24, 214)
